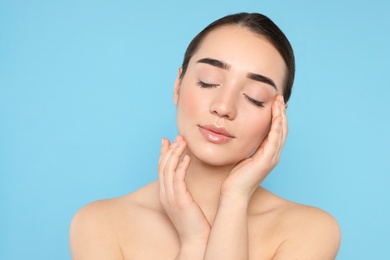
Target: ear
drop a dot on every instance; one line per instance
(176, 88)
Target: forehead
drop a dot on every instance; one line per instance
(243, 50)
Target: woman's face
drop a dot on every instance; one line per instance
(224, 99)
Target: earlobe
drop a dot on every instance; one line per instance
(176, 89)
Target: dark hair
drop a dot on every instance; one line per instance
(259, 24)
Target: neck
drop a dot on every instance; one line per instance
(204, 181)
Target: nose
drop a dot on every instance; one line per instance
(224, 104)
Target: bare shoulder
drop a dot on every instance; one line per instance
(97, 229)
(312, 234)
(92, 232)
(306, 232)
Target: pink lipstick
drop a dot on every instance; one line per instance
(214, 134)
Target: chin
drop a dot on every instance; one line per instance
(215, 156)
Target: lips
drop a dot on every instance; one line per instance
(214, 134)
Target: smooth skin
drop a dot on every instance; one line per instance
(207, 202)
(236, 191)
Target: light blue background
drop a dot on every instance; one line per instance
(86, 96)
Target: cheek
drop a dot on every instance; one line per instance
(263, 125)
(190, 108)
(189, 103)
(257, 131)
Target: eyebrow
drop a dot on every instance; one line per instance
(263, 79)
(215, 63)
(223, 65)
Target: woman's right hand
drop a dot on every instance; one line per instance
(184, 213)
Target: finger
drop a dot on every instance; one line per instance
(275, 113)
(285, 121)
(179, 184)
(165, 151)
(272, 142)
(164, 147)
(171, 166)
(275, 139)
(281, 133)
(284, 127)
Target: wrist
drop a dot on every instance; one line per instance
(191, 251)
(236, 200)
(230, 192)
(236, 195)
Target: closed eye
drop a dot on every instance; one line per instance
(206, 85)
(254, 101)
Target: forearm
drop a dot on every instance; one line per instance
(229, 234)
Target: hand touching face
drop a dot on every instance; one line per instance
(224, 100)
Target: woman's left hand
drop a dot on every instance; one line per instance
(247, 175)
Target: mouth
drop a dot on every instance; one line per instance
(214, 134)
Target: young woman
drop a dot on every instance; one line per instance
(231, 95)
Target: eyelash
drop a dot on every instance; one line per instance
(253, 101)
(206, 85)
